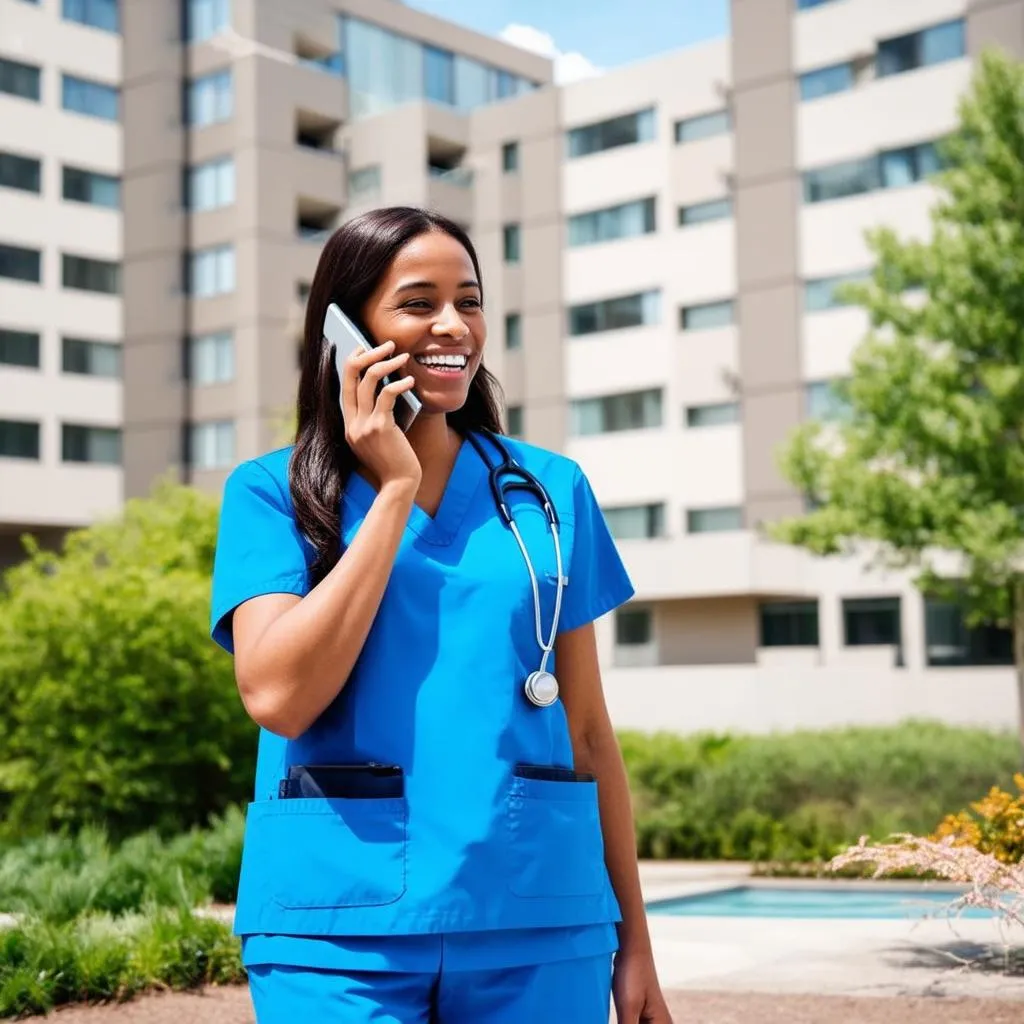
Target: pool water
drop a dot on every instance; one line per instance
(817, 903)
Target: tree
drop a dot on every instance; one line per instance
(115, 706)
(925, 469)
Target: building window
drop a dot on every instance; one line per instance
(789, 624)
(211, 358)
(210, 185)
(510, 157)
(20, 172)
(632, 410)
(364, 183)
(826, 81)
(634, 627)
(513, 331)
(716, 414)
(89, 275)
(22, 80)
(514, 415)
(871, 621)
(19, 348)
(81, 186)
(705, 126)
(19, 439)
(949, 641)
(91, 358)
(707, 315)
(635, 522)
(900, 167)
(83, 96)
(205, 18)
(212, 445)
(824, 402)
(628, 220)
(101, 445)
(627, 130)
(96, 13)
(714, 520)
(850, 178)
(20, 264)
(510, 243)
(934, 45)
(702, 213)
(823, 293)
(212, 271)
(210, 99)
(806, 5)
(439, 75)
(640, 310)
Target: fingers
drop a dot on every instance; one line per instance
(369, 386)
(389, 394)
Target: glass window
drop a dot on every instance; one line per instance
(627, 130)
(210, 99)
(20, 172)
(934, 45)
(364, 183)
(869, 621)
(17, 79)
(82, 186)
(510, 157)
(950, 641)
(212, 271)
(82, 96)
(19, 439)
(511, 243)
(92, 358)
(826, 81)
(513, 331)
(439, 75)
(789, 624)
(901, 167)
(212, 444)
(638, 310)
(97, 13)
(806, 5)
(90, 444)
(824, 402)
(634, 627)
(707, 315)
(20, 264)
(515, 420)
(19, 348)
(714, 520)
(210, 185)
(385, 70)
(850, 178)
(90, 275)
(475, 84)
(628, 220)
(205, 18)
(822, 293)
(703, 127)
(632, 410)
(635, 522)
(717, 414)
(211, 358)
(701, 213)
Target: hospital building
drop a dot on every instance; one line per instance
(661, 245)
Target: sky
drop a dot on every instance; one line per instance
(587, 36)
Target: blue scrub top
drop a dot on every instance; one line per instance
(472, 846)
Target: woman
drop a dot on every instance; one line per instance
(425, 843)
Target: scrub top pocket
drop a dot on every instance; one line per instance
(324, 853)
(555, 845)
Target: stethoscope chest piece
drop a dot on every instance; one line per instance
(541, 689)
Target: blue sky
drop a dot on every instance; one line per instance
(606, 32)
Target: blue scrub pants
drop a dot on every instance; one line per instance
(564, 992)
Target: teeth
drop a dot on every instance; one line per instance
(436, 360)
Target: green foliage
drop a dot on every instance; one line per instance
(115, 706)
(930, 455)
(807, 795)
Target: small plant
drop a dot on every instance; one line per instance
(995, 827)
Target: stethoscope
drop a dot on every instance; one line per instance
(541, 687)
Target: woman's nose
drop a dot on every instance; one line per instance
(451, 324)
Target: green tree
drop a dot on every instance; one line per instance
(925, 468)
(115, 706)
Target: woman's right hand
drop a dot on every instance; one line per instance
(370, 426)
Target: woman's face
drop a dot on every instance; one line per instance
(428, 304)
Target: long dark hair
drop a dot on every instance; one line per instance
(351, 266)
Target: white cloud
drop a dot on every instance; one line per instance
(569, 67)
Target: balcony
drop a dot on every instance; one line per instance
(449, 184)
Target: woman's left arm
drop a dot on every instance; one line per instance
(638, 997)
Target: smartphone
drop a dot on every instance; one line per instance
(346, 339)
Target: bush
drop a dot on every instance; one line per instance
(804, 796)
(993, 825)
(115, 707)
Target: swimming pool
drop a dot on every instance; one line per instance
(815, 903)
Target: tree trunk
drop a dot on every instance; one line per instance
(1018, 657)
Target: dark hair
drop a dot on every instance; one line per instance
(351, 266)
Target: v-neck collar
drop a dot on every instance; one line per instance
(468, 472)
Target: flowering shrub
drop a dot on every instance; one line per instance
(996, 825)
